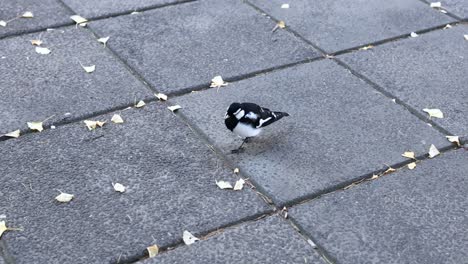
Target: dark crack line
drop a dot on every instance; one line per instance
(447, 14)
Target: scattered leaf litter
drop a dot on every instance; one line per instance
(433, 151)
(189, 238)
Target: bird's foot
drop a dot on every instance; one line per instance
(237, 151)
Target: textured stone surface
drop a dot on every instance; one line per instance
(35, 86)
(426, 72)
(169, 173)
(47, 14)
(416, 216)
(457, 7)
(183, 46)
(342, 24)
(92, 8)
(270, 240)
(340, 128)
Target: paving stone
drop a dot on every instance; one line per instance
(342, 24)
(416, 216)
(269, 240)
(35, 86)
(457, 7)
(169, 172)
(426, 72)
(47, 14)
(339, 129)
(184, 46)
(91, 8)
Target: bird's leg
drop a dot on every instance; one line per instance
(240, 149)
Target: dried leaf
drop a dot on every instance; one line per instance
(43, 51)
(37, 126)
(3, 23)
(174, 108)
(224, 184)
(412, 165)
(285, 6)
(218, 81)
(89, 69)
(134, 13)
(161, 96)
(36, 42)
(119, 187)
(389, 170)
(103, 40)
(414, 35)
(64, 197)
(78, 19)
(236, 170)
(447, 26)
(141, 103)
(189, 238)
(14, 134)
(434, 112)
(27, 14)
(311, 243)
(436, 4)
(454, 139)
(91, 125)
(433, 151)
(466, 37)
(239, 185)
(4, 228)
(117, 119)
(366, 47)
(409, 155)
(443, 11)
(152, 251)
(374, 177)
(281, 24)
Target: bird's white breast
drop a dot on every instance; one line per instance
(244, 130)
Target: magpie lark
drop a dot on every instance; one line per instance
(248, 119)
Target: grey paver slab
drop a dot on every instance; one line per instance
(47, 14)
(416, 216)
(169, 172)
(269, 240)
(426, 72)
(35, 86)
(339, 128)
(342, 24)
(91, 8)
(183, 46)
(457, 7)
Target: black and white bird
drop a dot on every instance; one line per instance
(247, 120)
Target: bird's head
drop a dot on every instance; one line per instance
(233, 109)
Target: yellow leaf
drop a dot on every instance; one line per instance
(141, 103)
(389, 170)
(35, 126)
(454, 139)
(119, 187)
(409, 155)
(239, 185)
(43, 51)
(433, 151)
(224, 184)
(174, 108)
(366, 47)
(27, 15)
(3, 23)
(218, 81)
(161, 96)
(189, 238)
(89, 69)
(4, 228)
(103, 40)
(281, 24)
(91, 125)
(78, 19)
(36, 42)
(152, 251)
(434, 112)
(64, 197)
(374, 177)
(14, 134)
(117, 119)
(412, 165)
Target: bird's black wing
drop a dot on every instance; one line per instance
(259, 116)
